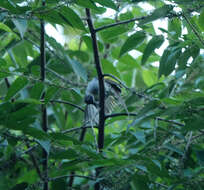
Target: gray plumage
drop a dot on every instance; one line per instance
(112, 97)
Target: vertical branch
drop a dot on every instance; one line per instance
(100, 80)
(101, 89)
(43, 107)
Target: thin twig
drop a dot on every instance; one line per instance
(135, 114)
(34, 161)
(57, 56)
(187, 145)
(119, 23)
(68, 103)
(133, 20)
(194, 29)
(81, 176)
(36, 80)
(75, 129)
(63, 79)
(162, 185)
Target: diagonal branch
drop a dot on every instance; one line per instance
(34, 161)
(68, 103)
(194, 29)
(119, 23)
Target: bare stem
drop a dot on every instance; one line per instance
(119, 23)
(43, 107)
(68, 103)
(135, 114)
(81, 176)
(194, 29)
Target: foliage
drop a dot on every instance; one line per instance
(157, 143)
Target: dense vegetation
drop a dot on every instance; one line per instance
(153, 139)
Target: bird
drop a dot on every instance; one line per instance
(112, 97)
(91, 115)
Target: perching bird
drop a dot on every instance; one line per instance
(91, 118)
(112, 97)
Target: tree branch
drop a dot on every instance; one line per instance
(194, 29)
(135, 114)
(100, 80)
(43, 106)
(63, 79)
(68, 103)
(101, 89)
(34, 161)
(81, 176)
(36, 80)
(119, 23)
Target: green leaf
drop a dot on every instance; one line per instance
(139, 182)
(28, 101)
(154, 43)
(201, 20)
(146, 112)
(78, 68)
(59, 184)
(107, 3)
(174, 27)
(12, 7)
(200, 156)
(173, 148)
(45, 144)
(168, 61)
(87, 4)
(21, 25)
(88, 42)
(28, 110)
(149, 77)
(20, 186)
(37, 90)
(5, 27)
(108, 67)
(140, 135)
(194, 122)
(80, 55)
(132, 42)
(158, 13)
(72, 18)
(52, 17)
(36, 133)
(63, 137)
(15, 87)
(50, 93)
(68, 154)
(141, 167)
